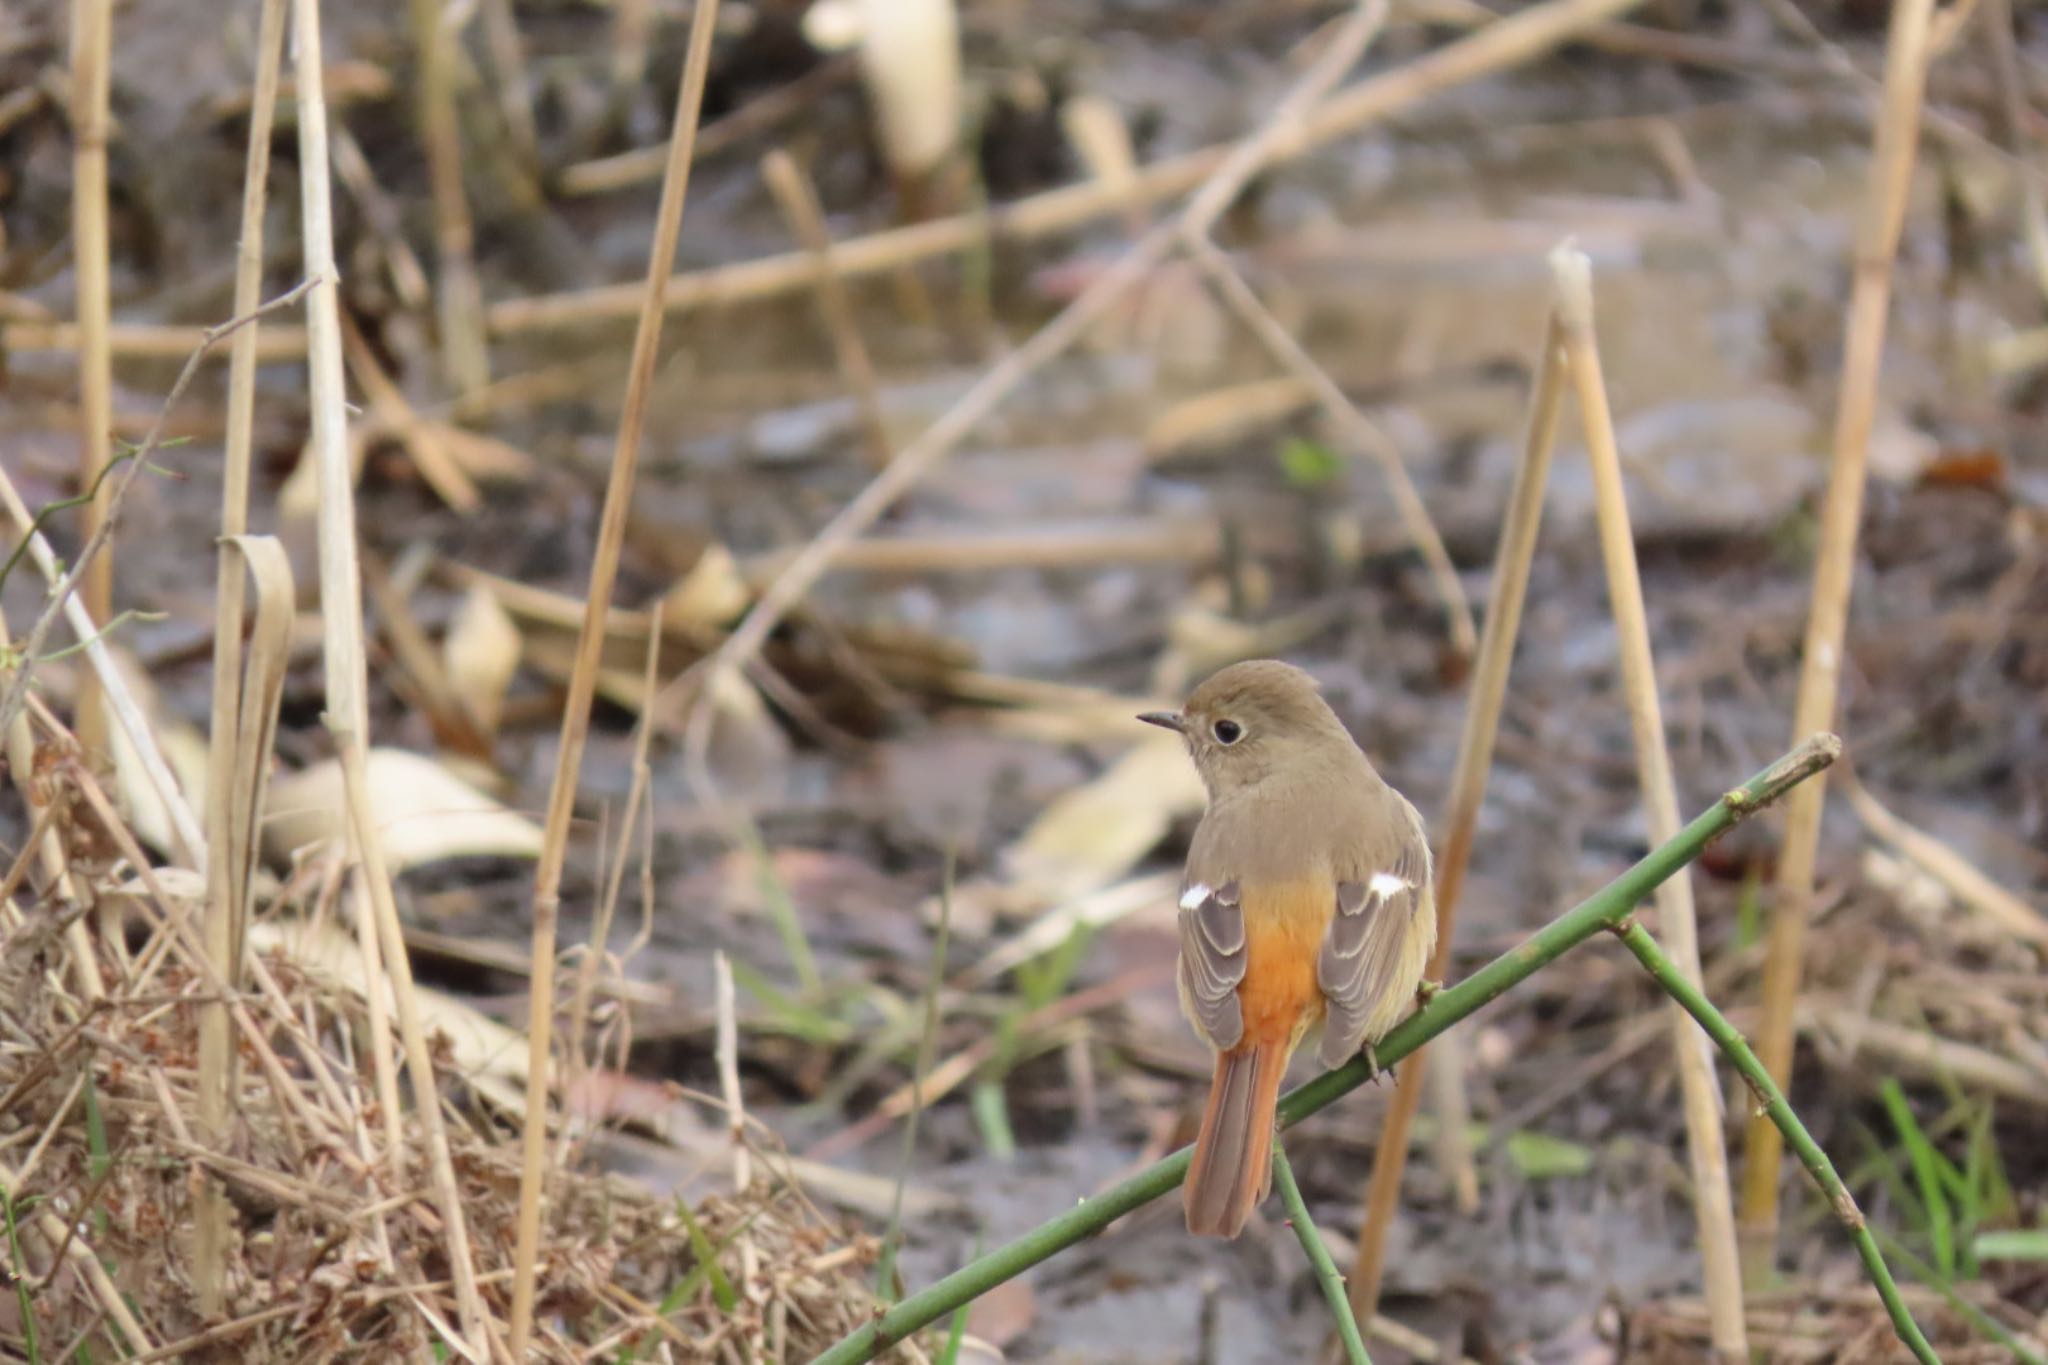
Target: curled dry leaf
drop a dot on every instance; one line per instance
(712, 593)
(481, 655)
(424, 813)
(1098, 832)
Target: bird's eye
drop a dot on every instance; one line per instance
(1227, 731)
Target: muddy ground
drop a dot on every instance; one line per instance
(1718, 201)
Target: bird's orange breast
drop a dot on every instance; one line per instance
(1283, 928)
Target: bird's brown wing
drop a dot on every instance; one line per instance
(1379, 940)
(1212, 960)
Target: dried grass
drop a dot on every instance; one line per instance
(327, 1253)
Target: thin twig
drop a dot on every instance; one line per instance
(1511, 563)
(1603, 910)
(1327, 1277)
(1713, 1209)
(927, 1050)
(1343, 414)
(1778, 1112)
(547, 879)
(1884, 213)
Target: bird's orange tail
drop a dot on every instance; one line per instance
(1233, 1163)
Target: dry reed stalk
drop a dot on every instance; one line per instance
(1503, 622)
(347, 712)
(228, 891)
(632, 20)
(1360, 431)
(798, 201)
(1883, 219)
(1072, 323)
(507, 47)
(1508, 42)
(141, 340)
(1960, 877)
(1713, 1209)
(389, 406)
(583, 679)
(465, 357)
(70, 1243)
(92, 45)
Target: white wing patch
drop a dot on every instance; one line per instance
(1385, 886)
(1192, 898)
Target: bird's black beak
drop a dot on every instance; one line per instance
(1166, 720)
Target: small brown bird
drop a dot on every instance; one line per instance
(1306, 900)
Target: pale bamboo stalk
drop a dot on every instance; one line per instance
(1345, 416)
(798, 201)
(92, 44)
(1713, 1209)
(547, 877)
(1509, 42)
(341, 609)
(226, 892)
(140, 340)
(1884, 212)
(1511, 562)
(1072, 323)
(465, 359)
(514, 86)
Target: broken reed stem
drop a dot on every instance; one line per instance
(1776, 1110)
(1512, 559)
(1713, 1208)
(798, 201)
(1884, 213)
(226, 891)
(1072, 323)
(604, 568)
(1508, 42)
(92, 44)
(346, 669)
(1312, 1245)
(465, 360)
(1604, 909)
(1357, 429)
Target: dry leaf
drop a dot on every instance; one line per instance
(481, 655)
(712, 593)
(1098, 832)
(424, 813)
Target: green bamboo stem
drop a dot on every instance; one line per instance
(1605, 909)
(1327, 1277)
(1771, 1104)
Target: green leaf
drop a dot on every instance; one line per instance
(1538, 1156)
(2013, 1244)
(722, 1292)
(1309, 465)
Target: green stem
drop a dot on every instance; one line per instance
(1774, 1106)
(1319, 1257)
(1606, 908)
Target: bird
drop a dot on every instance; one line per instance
(1307, 900)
